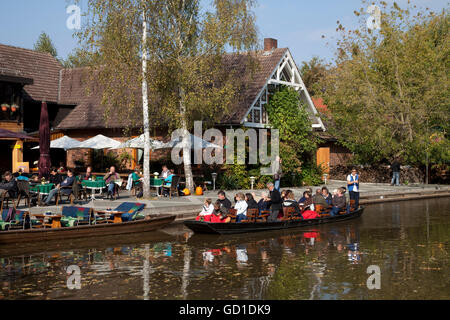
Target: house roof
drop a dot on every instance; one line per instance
(38, 71)
(89, 111)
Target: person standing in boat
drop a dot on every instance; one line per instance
(353, 187)
(275, 198)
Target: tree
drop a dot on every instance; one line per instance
(388, 92)
(288, 114)
(45, 44)
(186, 73)
(312, 73)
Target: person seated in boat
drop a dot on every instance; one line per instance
(224, 201)
(110, 179)
(339, 202)
(318, 199)
(303, 198)
(326, 194)
(9, 185)
(54, 176)
(251, 203)
(206, 212)
(241, 207)
(283, 194)
(66, 183)
(307, 204)
(264, 203)
(289, 202)
(220, 214)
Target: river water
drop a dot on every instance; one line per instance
(407, 241)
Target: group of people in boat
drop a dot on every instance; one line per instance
(309, 206)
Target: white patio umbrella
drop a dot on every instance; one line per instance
(63, 143)
(98, 142)
(138, 143)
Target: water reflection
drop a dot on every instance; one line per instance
(409, 241)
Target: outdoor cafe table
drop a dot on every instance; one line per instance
(117, 215)
(56, 219)
(41, 189)
(94, 186)
(156, 183)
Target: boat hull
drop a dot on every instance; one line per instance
(32, 235)
(234, 228)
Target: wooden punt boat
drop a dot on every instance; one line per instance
(85, 231)
(245, 227)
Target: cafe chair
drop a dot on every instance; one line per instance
(173, 188)
(24, 192)
(13, 219)
(72, 196)
(75, 216)
(6, 198)
(132, 210)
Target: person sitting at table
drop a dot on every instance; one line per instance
(88, 175)
(66, 183)
(8, 186)
(168, 182)
(54, 176)
(165, 173)
(110, 179)
(62, 169)
(34, 179)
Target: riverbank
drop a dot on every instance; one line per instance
(188, 207)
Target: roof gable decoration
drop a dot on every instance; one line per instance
(286, 73)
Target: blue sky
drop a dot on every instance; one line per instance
(297, 24)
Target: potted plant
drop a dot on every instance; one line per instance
(5, 107)
(14, 107)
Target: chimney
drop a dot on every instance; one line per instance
(270, 44)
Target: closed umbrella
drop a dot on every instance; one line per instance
(44, 142)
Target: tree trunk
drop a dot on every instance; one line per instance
(186, 151)
(146, 185)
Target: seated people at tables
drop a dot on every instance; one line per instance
(251, 203)
(220, 214)
(88, 174)
(241, 207)
(339, 202)
(289, 202)
(264, 203)
(303, 198)
(54, 176)
(21, 176)
(110, 179)
(62, 169)
(224, 202)
(326, 194)
(9, 185)
(206, 212)
(307, 204)
(165, 173)
(34, 179)
(319, 199)
(168, 182)
(66, 183)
